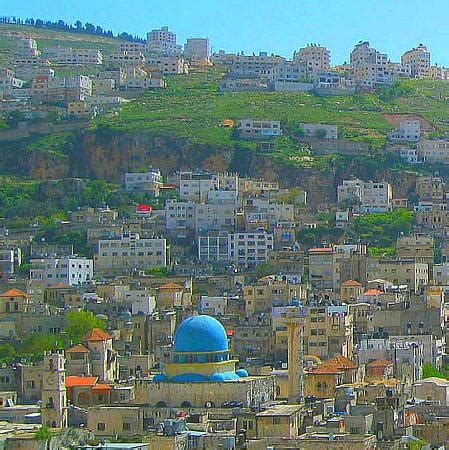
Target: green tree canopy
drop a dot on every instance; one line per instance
(79, 323)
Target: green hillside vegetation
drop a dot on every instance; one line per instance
(192, 107)
(50, 38)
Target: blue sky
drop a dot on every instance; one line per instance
(276, 26)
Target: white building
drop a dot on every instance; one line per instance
(418, 61)
(149, 181)
(130, 253)
(250, 249)
(69, 55)
(214, 306)
(408, 131)
(200, 187)
(197, 49)
(169, 65)
(142, 302)
(179, 216)
(163, 41)
(258, 129)
(69, 270)
(372, 196)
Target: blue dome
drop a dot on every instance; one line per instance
(200, 334)
(242, 373)
(190, 378)
(159, 378)
(223, 376)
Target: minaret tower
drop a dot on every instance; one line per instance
(295, 329)
(54, 392)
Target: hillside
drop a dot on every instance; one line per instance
(192, 107)
(49, 38)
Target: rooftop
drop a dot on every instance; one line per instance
(77, 381)
(97, 335)
(281, 410)
(14, 293)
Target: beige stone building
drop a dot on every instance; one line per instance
(418, 247)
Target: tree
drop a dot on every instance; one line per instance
(79, 323)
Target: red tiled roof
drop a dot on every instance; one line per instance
(14, 293)
(372, 292)
(325, 369)
(77, 381)
(96, 334)
(171, 285)
(342, 362)
(77, 349)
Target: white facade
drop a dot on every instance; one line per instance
(372, 196)
(143, 181)
(169, 65)
(163, 41)
(214, 306)
(250, 249)
(408, 131)
(68, 55)
(251, 128)
(71, 271)
(131, 252)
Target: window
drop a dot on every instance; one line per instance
(126, 426)
(276, 420)
(101, 426)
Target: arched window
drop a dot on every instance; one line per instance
(50, 364)
(51, 403)
(83, 398)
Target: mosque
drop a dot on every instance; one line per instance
(202, 371)
(201, 353)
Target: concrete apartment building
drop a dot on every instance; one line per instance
(149, 181)
(69, 270)
(130, 253)
(418, 247)
(54, 89)
(434, 151)
(401, 272)
(69, 55)
(179, 216)
(418, 61)
(258, 129)
(250, 249)
(128, 46)
(290, 76)
(369, 65)
(316, 57)
(408, 131)
(320, 130)
(328, 332)
(430, 189)
(163, 41)
(168, 65)
(371, 196)
(324, 270)
(213, 247)
(127, 58)
(433, 219)
(197, 50)
(248, 65)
